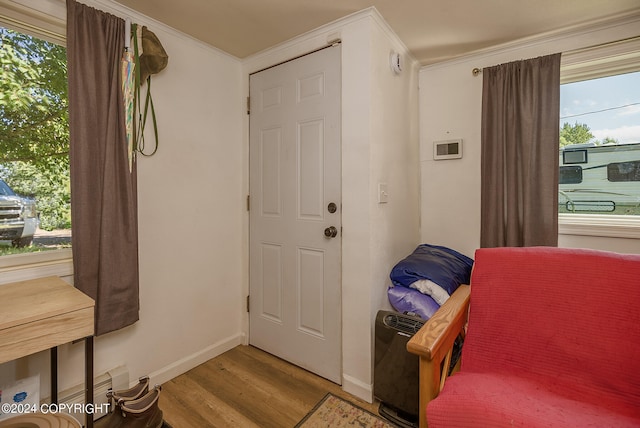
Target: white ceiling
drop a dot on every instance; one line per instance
(433, 30)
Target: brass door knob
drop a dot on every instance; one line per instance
(331, 232)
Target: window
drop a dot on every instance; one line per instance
(599, 193)
(570, 175)
(601, 132)
(35, 210)
(574, 156)
(623, 171)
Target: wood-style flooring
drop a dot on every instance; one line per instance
(246, 387)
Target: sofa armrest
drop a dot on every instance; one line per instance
(433, 343)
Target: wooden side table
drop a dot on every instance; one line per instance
(42, 314)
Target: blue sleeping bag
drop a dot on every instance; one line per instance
(441, 265)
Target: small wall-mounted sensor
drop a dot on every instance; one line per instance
(396, 62)
(450, 149)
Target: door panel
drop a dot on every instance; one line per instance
(271, 282)
(310, 163)
(271, 143)
(311, 291)
(295, 173)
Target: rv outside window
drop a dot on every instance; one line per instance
(598, 190)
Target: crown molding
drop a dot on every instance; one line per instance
(320, 36)
(581, 31)
(47, 19)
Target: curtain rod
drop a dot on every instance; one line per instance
(476, 71)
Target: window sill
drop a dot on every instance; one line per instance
(20, 267)
(612, 226)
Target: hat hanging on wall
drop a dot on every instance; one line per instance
(153, 58)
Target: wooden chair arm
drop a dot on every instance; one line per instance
(433, 343)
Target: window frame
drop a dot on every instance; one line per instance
(590, 63)
(20, 267)
(47, 23)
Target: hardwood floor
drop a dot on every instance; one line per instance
(246, 387)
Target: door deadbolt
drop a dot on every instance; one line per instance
(331, 232)
(332, 207)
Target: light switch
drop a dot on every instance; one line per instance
(383, 194)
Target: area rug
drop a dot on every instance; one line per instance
(335, 412)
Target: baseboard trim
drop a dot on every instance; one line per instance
(357, 388)
(185, 364)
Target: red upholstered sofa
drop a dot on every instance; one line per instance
(552, 340)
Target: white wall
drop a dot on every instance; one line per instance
(394, 227)
(190, 212)
(450, 108)
(191, 204)
(379, 144)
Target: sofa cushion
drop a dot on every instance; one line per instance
(564, 316)
(497, 400)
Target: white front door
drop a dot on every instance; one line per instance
(295, 191)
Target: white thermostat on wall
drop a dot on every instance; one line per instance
(449, 149)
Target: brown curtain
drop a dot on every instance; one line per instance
(103, 190)
(520, 149)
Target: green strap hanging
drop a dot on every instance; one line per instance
(139, 125)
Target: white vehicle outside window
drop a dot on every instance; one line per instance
(18, 217)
